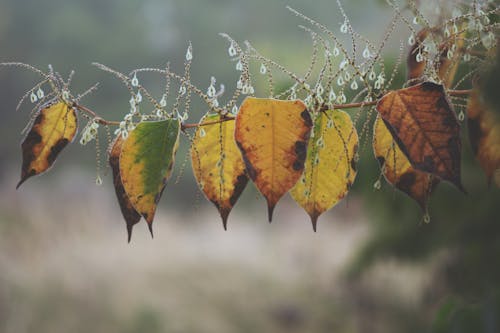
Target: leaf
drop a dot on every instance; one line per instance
(330, 167)
(129, 213)
(484, 135)
(272, 136)
(397, 169)
(416, 68)
(146, 163)
(54, 127)
(217, 164)
(426, 129)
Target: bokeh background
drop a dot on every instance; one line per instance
(373, 266)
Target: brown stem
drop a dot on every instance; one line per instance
(94, 115)
(226, 118)
(460, 92)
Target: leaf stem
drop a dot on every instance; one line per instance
(94, 115)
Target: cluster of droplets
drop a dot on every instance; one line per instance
(38, 95)
(212, 93)
(89, 133)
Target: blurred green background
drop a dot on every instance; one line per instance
(373, 266)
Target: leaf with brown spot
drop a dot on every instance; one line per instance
(484, 135)
(217, 164)
(416, 68)
(272, 136)
(146, 163)
(425, 127)
(330, 167)
(129, 213)
(53, 128)
(397, 169)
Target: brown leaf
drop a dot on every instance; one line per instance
(54, 127)
(397, 169)
(484, 135)
(416, 68)
(272, 136)
(425, 127)
(129, 213)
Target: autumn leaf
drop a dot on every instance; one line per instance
(54, 127)
(484, 135)
(415, 61)
(425, 128)
(146, 163)
(129, 213)
(397, 169)
(330, 167)
(217, 163)
(272, 136)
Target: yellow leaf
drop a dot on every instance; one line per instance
(330, 167)
(397, 169)
(54, 127)
(272, 136)
(217, 164)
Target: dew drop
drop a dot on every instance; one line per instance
(319, 89)
(163, 101)
(343, 27)
(377, 185)
(366, 52)
(182, 90)
(98, 180)
(189, 54)
(467, 57)
(415, 20)
(411, 40)
(138, 97)
(263, 69)
(231, 50)
(33, 97)
(234, 110)
(372, 76)
(135, 81)
(332, 96)
(354, 85)
(461, 116)
(40, 94)
(427, 218)
(340, 81)
(336, 52)
(239, 66)
(419, 57)
(447, 32)
(329, 123)
(202, 133)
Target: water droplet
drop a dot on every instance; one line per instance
(215, 103)
(449, 54)
(202, 133)
(354, 85)
(347, 76)
(415, 20)
(332, 96)
(163, 101)
(234, 110)
(316, 160)
(40, 93)
(33, 97)
(211, 91)
(366, 52)
(239, 66)
(319, 89)
(372, 76)
(189, 54)
(98, 180)
(239, 84)
(455, 28)
(343, 27)
(336, 51)
(340, 81)
(446, 32)
(231, 50)
(329, 123)
(65, 95)
(135, 81)
(182, 90)
(138, 97)
(427, 218)
(377, 185)
(124, 134)
(263, 69)
(411, 40)
(343, 63)
(467, 57)
(419, 57)
(461, 116)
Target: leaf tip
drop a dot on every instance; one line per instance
(270, 209)
(150, 227)
(314, 221)
(224, 213)
(129, 232)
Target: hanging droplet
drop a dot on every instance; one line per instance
(347, 76)
(446, 32)
(231, 50)
(239, 66)
(98, 180)
(461, 116)
(316, 160)
(163, 101)
(234, 110)
(449, 54)
(427, 218)
(202, 133)
(419, 57)
(138, 97)
(211, 91)
(319, 89)
(65, 95)
(239, 84)
(336, 51)
(341, 99)
(135, 81)
(415, 20)
(182, 90)
(329, 123)
(366, 52)
(455, 28)
(467, 57)
(40, 94)
(332, 96)
(263, 69)
(354, 85)
(411, 40)
(189, 54)
(377, 185)
(343, 27)
(372, 76)
(340, 81)
(33, 97)
(215, 103)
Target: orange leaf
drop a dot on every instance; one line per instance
(426, 129)
(484, 135)
(272, 136)
(129, 213)
(397, 169)
(54, 127)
